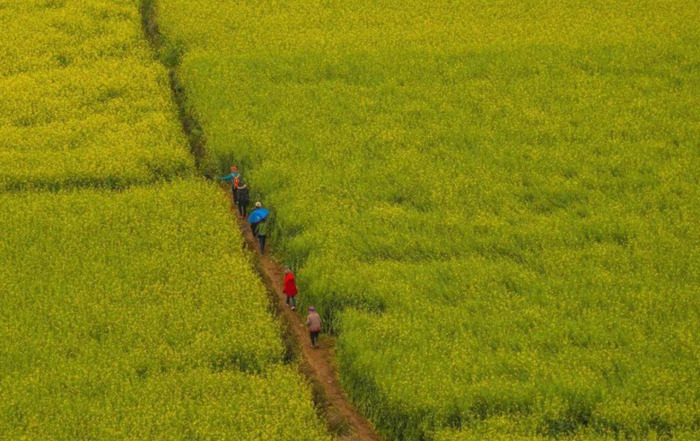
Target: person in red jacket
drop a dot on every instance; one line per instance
(290, 288)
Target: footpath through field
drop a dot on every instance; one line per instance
(318, 363)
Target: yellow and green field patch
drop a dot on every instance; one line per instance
(83, 103)
(493, 202)
(136, 314)
(124, 314)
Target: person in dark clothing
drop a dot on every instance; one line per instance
(243, 197)
(233, 178)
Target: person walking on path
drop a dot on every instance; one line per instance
(254, 225)
(262, 230)
(234, 179)
(243, 198)
(290, 288)
(313, 321)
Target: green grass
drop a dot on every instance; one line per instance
(495, 203)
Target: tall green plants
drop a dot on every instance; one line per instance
(493, 203)
(83, 102)
(130, 314)
(136, 315)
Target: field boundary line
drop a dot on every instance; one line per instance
(171, 60)
(317, 365)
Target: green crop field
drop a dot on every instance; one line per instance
(494, 203)
(136, 316)
(82, 100)
(129, 314)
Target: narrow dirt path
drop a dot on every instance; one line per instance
(317, 363)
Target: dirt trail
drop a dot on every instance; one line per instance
(317, 363)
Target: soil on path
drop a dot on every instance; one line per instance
(317, 364)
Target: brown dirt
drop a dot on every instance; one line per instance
(317, 364)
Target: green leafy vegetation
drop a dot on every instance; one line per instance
(83, 102)
(129, 314)
(136, 315)
(494, 203)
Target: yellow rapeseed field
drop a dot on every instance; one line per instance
(495, 203)
(136, 316)
(83, 102)
(130, 314)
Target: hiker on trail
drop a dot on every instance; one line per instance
(313, 321)
(234, 179)
(262, 230)
(254, 225)
(243, 198)
(290, 288)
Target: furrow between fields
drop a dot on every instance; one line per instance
(190, 125)
(316, 364)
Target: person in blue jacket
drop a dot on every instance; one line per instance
(254, 225)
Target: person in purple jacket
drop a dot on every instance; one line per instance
(313, 321)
